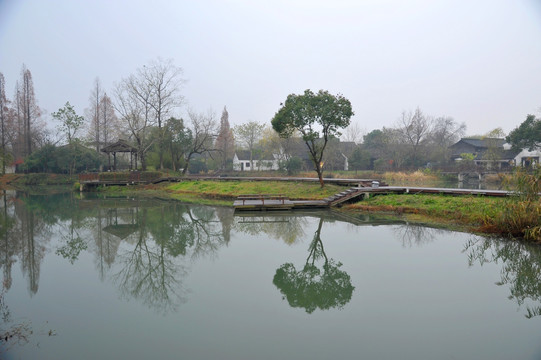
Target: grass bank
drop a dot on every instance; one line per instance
(21, 181)
(471, 212)
(224, 192)
(512, 217)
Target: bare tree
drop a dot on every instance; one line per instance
(3, 119)
(28, 112)
(353, 133)
(133, 105)
(203, 133)
(415, 128)
(93, 113)
(164, 81)
(494, 150)
(445, 132)
(249, 135)
(109, 119)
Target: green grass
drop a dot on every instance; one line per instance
(232, 189)
(473, 210)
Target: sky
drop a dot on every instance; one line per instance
(478, 62)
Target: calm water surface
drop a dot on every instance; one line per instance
(139, 279)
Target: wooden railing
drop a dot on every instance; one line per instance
(89, 177)
(262, 197)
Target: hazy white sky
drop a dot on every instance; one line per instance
(478, 61)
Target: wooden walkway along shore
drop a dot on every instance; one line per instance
(90, 180)
(279, 202)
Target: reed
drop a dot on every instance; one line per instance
(521, 214)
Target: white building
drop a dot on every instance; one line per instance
(526, 157)
(241, 161)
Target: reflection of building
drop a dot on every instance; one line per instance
(121, 222)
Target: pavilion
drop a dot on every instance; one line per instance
(121, 146)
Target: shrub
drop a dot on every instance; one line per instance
(521, 217)
(197, 166)
(293, 165)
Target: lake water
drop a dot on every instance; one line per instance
(124, 278)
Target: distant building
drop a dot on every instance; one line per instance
(488, 152)
(527, 158)
(261, 162)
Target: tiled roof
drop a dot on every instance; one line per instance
(244, 155)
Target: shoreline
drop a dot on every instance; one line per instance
(474, 214)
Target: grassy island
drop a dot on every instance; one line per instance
(516, 216)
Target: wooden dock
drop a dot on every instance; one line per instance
(427, 190)
(280, 202)
(263, 202)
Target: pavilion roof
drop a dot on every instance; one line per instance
(119, 146)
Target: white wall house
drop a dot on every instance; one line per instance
(528, 158)
(241, 161)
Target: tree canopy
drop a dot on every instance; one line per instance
(69, 121)
(526, 135)
(317, 117)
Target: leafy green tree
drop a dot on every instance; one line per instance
(178, 138)
(293, 165)
(526, 135)
(359, 159)
(71, 158)
(70, 122)
(317, 117)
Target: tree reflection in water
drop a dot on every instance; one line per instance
(521, 269)
(148, 272)
(149, 243)
(416, 234)
(286, 227)
(311, 288)
(153, 269)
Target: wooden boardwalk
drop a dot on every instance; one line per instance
(252, 203)
(427, 190)
(136, 178)
(280, 202)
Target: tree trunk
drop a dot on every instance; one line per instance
(319, 173)
(187, 164)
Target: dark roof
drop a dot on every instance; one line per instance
(119, 146)
(256, 155)
(481, 143)
(122, 230)
(482, 146)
